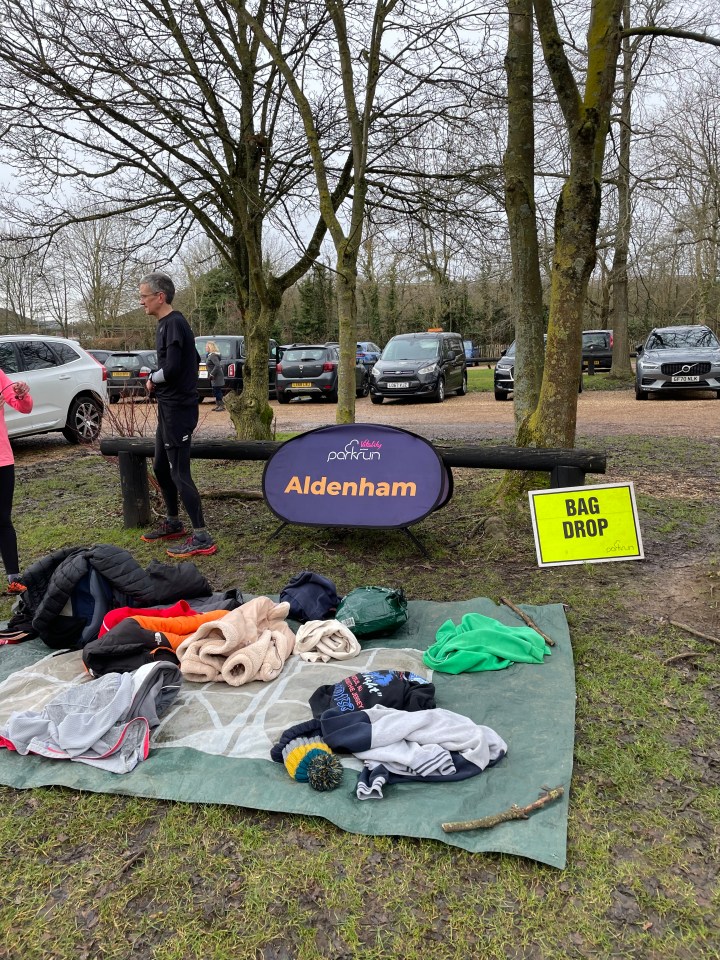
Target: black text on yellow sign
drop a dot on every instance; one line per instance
(591, 524)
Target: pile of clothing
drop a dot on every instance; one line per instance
(143, 632)
(389, 720)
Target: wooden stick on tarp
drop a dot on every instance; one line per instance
(512, 813)
(528, 620)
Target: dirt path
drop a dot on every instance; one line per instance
(479, 415)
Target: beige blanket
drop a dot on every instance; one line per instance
(251, 642)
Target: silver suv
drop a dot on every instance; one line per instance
(68, 387)
(678, 358)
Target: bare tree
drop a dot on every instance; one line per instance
(169, 111)
(20, 273)
(389, 59)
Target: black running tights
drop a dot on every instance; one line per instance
(8, 537)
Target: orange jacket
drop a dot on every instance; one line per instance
(177, 628)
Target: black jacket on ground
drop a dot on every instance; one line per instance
(70, 591)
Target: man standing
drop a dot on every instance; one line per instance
(174, 384)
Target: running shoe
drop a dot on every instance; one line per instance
(196, 545)
(15, 587)
(168, 530)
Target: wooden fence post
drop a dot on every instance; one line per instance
(135, 489)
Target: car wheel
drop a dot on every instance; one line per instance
(640, 394)
(364, 388)
(376, 398)
(501, 395)
(282, 397)
(463, 389)
(333, 396)
(113, 398)
(439, 395)
(84, 421)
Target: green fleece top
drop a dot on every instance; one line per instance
(482, 643)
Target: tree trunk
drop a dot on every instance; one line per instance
(250, 411)
(587, 120)
(552, 424)
(621, 367)
(347, 323)
(519, 168)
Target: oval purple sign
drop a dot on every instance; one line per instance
(356, 475)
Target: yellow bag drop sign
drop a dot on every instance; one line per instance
(586, 524)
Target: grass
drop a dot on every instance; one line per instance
(481, 379)
(89, 876)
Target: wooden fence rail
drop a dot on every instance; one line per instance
(567, 468)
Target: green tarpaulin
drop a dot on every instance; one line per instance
(532, 707)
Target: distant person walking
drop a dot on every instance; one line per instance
(215, 373)
(18, 396)
(174, 385)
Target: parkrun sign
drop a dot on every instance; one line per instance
(356, 475)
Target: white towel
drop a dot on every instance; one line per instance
(318, 641)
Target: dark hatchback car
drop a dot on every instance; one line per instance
(311, 370)
(420, 365)
(127, 373)
(678, 358)
(233, 358)
(504, 377)
(597, 348)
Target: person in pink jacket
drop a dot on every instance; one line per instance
(18, 396)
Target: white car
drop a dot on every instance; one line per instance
(68, 387)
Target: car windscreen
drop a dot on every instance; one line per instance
(307, 355)
(226, 348)
(123, 361)
(682, 339)
(594, 340)
(411, 350)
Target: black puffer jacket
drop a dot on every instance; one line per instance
(69, 591)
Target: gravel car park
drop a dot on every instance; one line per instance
(678, 358)
(68, 387)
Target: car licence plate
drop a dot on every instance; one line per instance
(686, 379)
(398, 384)
(300, 385)
(119, 373)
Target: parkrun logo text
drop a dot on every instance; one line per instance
(357, 450)
(363, 487)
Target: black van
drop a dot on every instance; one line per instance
(420, 365)
(233, 359)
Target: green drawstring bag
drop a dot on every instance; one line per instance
(369, 610)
